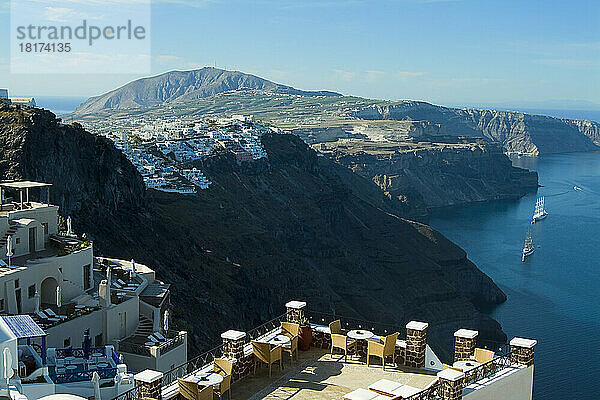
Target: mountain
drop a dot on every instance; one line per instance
(517, 132)
(181, 86)
(293, 226)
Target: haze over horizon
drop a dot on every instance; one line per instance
(528, 53)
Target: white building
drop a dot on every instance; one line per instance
(93, 314)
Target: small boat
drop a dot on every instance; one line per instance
(528, 247)
(577, 188)
(540, 210)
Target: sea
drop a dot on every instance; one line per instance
(59, 104)
(554, 296)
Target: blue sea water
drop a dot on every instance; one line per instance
(59, 104)
(554, 296)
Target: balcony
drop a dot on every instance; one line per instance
(413, 372)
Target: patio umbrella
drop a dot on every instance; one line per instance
(132, 269)
(166, 322)
(36, 298)
(86, 344)
(96, 382)
(69, 226)
(58, 297)
(7, 370)
(9, 249)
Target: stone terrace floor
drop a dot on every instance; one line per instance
(319, 376)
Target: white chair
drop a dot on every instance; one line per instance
(51, 314)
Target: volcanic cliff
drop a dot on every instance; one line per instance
(294, 226)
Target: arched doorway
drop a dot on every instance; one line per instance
(48, 289)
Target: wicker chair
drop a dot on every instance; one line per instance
(343, 343)
(292, 331)
(336, 327)
(225, 369)
(263, 353)
(382, 350)
(190, 391)
(482, 355)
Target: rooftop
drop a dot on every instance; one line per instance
(319, 376)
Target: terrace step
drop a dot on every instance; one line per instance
(145, 327)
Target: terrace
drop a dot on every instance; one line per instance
(412, 370)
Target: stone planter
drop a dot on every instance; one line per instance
(305, 337)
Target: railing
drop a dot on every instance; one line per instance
(172, 343)
(134, 348)
(265, 328)
(131, 394)
(190, 366)
(349, 323)
(488, 369)
(77, 352)
(434, 392)
(82, 376)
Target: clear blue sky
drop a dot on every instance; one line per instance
(444, 51)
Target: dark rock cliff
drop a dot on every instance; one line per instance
(295, 226)
(442, 174)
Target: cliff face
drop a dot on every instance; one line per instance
(92, 179)
(442, 175)
(295, 226)
(517, 132)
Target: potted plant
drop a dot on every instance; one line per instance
(305, 334)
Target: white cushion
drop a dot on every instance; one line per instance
(385, 386)
(364, 394)
(406, 391)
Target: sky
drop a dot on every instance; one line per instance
(443, 51)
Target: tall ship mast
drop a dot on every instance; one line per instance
(528, 247)
(540, 210)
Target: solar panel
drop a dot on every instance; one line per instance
(23, 326)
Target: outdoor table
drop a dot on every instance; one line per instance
(206, 379)
(71, 367)
(279, 340)
(97, 356)
(466, 365)
(361, 336)
(103, 365)
(69, 359)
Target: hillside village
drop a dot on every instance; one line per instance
(168, 151)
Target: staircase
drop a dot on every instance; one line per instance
(144, 328)
(11, 231)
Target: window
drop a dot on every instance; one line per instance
(98, 340)
(16, 283)
(18, 240)
(31, 291)
(1, 304)
(45, 225)
(86, 276)
(67, 342)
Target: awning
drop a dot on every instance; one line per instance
(23, 326)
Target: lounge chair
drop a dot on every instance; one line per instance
(190, 391)
(153, 339)
(382, 350)
(225, 369)
(51, 314)
(292, 331)
(364, 394)
(160, 337)
(263, 353)
(121, 282)
(117, 285)
(483, 356)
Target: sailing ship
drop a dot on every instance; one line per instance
(528, 247)
(540, 210)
